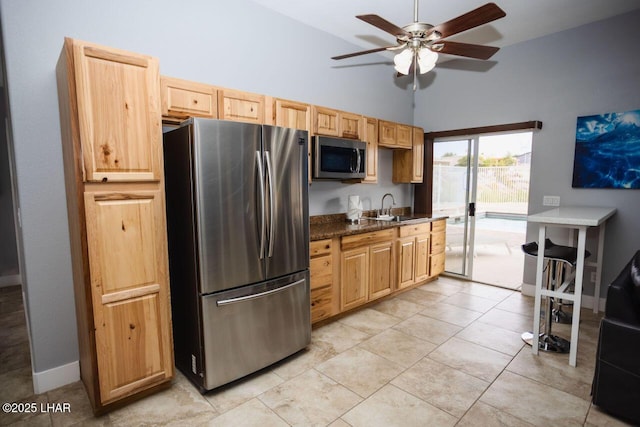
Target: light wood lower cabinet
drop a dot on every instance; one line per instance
(324, 295)
(367, 267)
(381, 268)
(437, 246)
(349, 271)
(413, 249)
(354, 277)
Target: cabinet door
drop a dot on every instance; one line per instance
(129, 288)
(325, 121)
(436, 264)
(354, 277)
(406, 261)
(381, 262)
(182, 99)
(291, 114)
(403, 136)
(350, 125)
(422, 258)
(321, 271)
(118, 96)
(418, 155)
(371, 138)
(387, 133)
(240, 106)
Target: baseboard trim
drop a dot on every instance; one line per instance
(10, 280)
(56, 377)
(586, 302)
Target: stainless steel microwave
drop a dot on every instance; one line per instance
(338, 158)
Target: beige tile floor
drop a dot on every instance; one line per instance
(447, 353)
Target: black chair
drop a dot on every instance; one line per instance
(616, 381)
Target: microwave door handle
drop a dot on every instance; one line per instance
(359, 161)
(354, 159)
(263, 225)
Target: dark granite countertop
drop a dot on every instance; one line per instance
(335, 225)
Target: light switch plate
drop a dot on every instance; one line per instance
(551, 201)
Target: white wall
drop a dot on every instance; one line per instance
(589, 70)
(235, 44)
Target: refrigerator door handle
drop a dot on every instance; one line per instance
(271, 204)
(263, 225)
(259, 295)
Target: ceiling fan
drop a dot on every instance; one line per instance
(420, 42)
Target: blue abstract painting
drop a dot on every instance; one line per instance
(607, 151)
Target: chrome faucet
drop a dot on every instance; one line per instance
(393, 203)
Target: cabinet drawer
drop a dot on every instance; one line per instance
(320, 303)
(438, 242)
(436, 264)
(364, 239)
(412, 230)
(320, 247)
(182, 98)
(439, 225)
(321, 271)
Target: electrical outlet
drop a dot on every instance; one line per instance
(593, 277)
(551, 201)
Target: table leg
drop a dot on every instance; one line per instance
(542, 234)
(575, 322)
(596, 293)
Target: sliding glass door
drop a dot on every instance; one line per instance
(481, 183)
(453, 196)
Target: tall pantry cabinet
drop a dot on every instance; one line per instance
(112, 149)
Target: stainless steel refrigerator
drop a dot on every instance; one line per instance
(238, 234)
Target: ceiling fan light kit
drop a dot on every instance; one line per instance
(419, 42)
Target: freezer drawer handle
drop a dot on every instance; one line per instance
(260, 295)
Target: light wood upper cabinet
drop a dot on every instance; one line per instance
(418, 155)
(394, 135)
(387, 134)
(241, 106)
(182, 99)
(292, 114)
(129, 289)
(408, 165)
(350, 125)
(403, 135)
(371, 138)
(325, 121)
(118, 107)
(330, 122)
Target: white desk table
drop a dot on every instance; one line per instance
(573, 217)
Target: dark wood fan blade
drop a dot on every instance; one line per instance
(363, 52)
(384, 25)
(465, 49)
(482, 15)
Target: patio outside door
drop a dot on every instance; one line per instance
(453, 196)
(481, 183)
